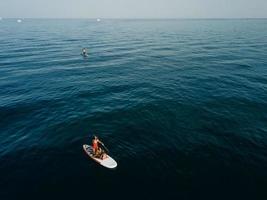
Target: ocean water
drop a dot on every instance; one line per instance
(180, 104)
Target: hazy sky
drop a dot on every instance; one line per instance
(134, 8)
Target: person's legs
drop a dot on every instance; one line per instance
(94, 151)
(101, 152)
(98, 152)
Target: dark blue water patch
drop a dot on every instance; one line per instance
(257, 80)
(21, 109)
(199, 184)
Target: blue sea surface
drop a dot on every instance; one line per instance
(180, 104)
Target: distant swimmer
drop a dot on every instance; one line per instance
(84, 52)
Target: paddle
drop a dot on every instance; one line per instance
(104, 146)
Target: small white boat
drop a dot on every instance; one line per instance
(107, 162)
(19, 20)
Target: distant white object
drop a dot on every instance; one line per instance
(19, 20)
(98, 20)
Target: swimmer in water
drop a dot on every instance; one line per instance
(84, 52)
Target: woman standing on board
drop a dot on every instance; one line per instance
(95, 145)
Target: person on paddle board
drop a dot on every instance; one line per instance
(84, 52)
(95, 146)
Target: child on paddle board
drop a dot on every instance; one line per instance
(102, 154)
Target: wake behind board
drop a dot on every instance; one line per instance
(107, 162)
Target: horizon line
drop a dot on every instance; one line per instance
(135, 18)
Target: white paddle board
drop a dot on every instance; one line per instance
(107, 162)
